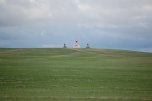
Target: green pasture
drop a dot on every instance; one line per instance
(75, 75)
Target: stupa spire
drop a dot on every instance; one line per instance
(76, 44)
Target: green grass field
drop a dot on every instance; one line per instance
(75, 75)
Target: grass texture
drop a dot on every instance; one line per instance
(75, 75)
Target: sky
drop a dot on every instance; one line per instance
(114, 24)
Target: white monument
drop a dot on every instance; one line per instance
(76, 45)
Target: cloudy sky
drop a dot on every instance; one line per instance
(118, 24)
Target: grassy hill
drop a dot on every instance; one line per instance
(75, 75)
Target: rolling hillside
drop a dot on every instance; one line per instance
(75, 75)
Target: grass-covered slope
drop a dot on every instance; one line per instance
(75, 75)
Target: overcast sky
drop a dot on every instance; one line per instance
(118, 24)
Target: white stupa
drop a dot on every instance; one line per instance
(76, 45)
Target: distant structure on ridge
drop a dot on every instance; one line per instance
(88, 46)
(76, 45)
(64, 46)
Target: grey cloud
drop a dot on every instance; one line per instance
(104, 23)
